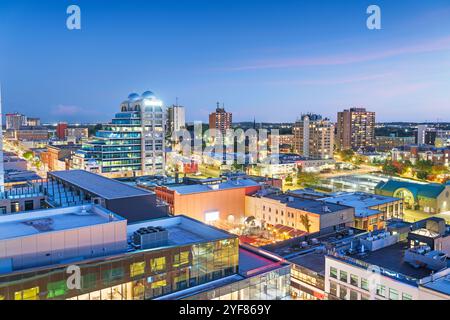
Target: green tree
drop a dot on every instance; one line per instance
(389, 168)
(28, 155)
(307, 179)
(422, 175)
(346, 155)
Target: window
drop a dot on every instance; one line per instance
(137, 268)
(353, 295)
(343, 276)
(333, 272)
(381, 290)
(406, 296)
(393, 294)
(333, 289)
(364, 284)
(342, 292)
(158, 264)
(15, 207)
(181, 259)
(29, 205)
(56, 289)
(354, 280)
(2, 210)
(27, 294)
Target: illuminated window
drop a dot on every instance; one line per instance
(27, 294)
(137, 268)
(364, 284)
(393, 294)
(158, 264)
(181, 259)
(56, 289)
(343, 276)
(159, 284)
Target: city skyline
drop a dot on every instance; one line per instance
(254, 58)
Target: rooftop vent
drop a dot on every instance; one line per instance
(150, 237)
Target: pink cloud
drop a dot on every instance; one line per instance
(425, 47)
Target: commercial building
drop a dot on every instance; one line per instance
(15, 120)
(132, 144)
(427, 197)
(220, 120)
(57, 157)
(76, 187)
(176, 119)
(414, 153)
(379, 266)
(175, 257)
(77, 133)
(289, 210)
(314, 137)
(33, 122)
(217, 202)
(32, 134)
(61, 128)
(387, 143)
(355, 129)
(371, 211)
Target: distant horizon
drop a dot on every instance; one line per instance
(269, 60)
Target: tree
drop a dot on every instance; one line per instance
(424, 165)
(439, 169)
(304, 219)
(288, 180)
(307, 179)
(346, 155)
(422, 175)
(389, 168)
(28, 155)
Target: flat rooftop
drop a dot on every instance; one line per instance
(96, 184)
(50, 220)
(391, 258)
(199, 188)
(441, 285)
(362, 202)
(183, 230)
(313, 206)
(314, 261)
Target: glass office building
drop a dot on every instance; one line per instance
(132, 144)
(196, 261)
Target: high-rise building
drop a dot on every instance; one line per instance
(176, 118)
(132, 144)
(33, 122)
(220, 120)
(15, 120)
(355, 129)
(314, 137)
(61, 130)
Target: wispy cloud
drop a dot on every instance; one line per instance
(71, 110)
(437, 45)
(334, 81)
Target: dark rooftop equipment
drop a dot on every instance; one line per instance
(150, 237)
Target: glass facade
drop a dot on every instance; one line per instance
(133, 141)
(273, 285)
(132, 276)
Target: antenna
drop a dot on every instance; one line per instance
(176, 101)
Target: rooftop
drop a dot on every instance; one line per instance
(427, 190)
(391, 258)
(441, 285)
(362, 202)
(313, 206)
(314, 261)
(99, 185)
(199, 188)
(183, 230)
(49, 220)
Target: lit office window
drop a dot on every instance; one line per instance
(27, 294)
(343, 276)
(181, 259)
(333, 272)
(158, 264)
(137, 268)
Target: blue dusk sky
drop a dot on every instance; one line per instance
(272, 60)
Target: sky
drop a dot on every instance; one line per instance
(269, 60)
